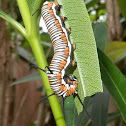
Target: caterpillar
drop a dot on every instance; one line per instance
(62, 84)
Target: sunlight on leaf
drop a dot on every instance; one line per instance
(116, 51)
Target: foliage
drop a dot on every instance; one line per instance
(114, 81)
(116, 51)
(87, 72)
(122, 4)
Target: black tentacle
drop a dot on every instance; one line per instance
(82, 105)
(43, 99)
(36, 11)
(38, 68)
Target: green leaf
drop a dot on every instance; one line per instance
(31, 4)
(31, 77)
(88, 73)
(115, 82)
(26, 55)
(102, 12)
(122, 7)
(100, 33)
(100, 108)
(71, 114)
(100, 100)
(13, 22)
(113, 116)
(90, 3)
(116, 51)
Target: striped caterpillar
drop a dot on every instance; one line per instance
(62, 84)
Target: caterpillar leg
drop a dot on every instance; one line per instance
(36, 11)
(74, 63)
(69, 30)
(64, 18)
(74, 46)
(49, 69)
(45, 98)
(38, 68)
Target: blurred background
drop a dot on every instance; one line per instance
(19, 103)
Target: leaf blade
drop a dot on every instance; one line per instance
(31, 77)
(82, 34)
(72, 117)
(100, 106)
(116, 50)
(122, 7)
(114, 81)
(100, 33)
(13, 22)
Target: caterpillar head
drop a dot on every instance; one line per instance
(49, 4)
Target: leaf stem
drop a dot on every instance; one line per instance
(26, 14)
(18, 26)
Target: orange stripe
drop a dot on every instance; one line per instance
(50, 5)
(56, 3)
